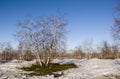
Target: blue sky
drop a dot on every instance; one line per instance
(87, 19)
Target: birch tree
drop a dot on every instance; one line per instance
(44, 36)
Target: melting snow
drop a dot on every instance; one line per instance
(87, 69)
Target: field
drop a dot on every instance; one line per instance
(86, 69)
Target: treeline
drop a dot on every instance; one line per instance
(7, 52)
(105, 51)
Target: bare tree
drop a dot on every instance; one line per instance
(116, 31)
(115, 51)
(20, 51)
(6, 51)
(78, 52)
(43, 36)
(116, 26)
(106, 50)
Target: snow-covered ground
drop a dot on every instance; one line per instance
(87, 69)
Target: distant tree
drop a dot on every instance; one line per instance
(7, 51)
(78, 53)
(87, 48)
(2, 45)
(20, 51)
(115, 51)
(106, 48)
(44, 36)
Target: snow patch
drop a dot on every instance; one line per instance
(87, 69)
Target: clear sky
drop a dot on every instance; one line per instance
(87, 19)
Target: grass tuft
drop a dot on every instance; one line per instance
(48, 70)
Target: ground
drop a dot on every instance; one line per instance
(87, 69)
